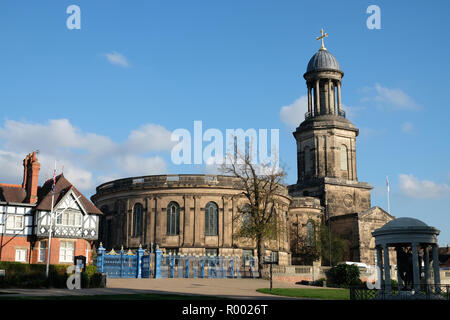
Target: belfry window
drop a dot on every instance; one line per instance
(343, 157)
(173, 219)
(307, 159)
(211, 219)
(137, 219)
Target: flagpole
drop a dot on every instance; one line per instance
(51, 225)
(389, 204)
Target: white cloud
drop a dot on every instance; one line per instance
(140, 166)
(407, 127)
(80, 178)
(412, 187)
(117, 59)
(390, 98)
(149, 137)
(293, 114)
(11, 169)
(88, 158)
(351, 112)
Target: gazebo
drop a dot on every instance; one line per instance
(408, 236)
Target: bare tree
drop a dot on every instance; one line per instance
(260, 184)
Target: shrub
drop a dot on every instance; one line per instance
(394, 283)
(96, 281)
(319, 282)
(23, 275)
(343, 276)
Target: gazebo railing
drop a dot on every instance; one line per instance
(426, 292)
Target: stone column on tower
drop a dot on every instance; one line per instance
(309, 100)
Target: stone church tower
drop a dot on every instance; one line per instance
(326, 160)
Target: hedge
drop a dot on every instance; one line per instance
(23, 275)
(343, 276)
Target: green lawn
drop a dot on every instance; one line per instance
(143, 296)
(327, 294)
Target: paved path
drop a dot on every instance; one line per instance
(227, 288)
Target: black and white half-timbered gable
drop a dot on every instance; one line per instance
(74, 216)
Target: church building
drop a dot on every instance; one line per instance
(326, 161)
(196, 213)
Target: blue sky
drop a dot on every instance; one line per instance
(103, 100)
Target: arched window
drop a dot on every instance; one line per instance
(310, 234)
(307, 159)
(211, 219)
(173, 219)
(137, 219)
(246, 215)
(343, 157)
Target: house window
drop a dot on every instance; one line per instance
(173, 219)
(343, 157)
(21, 255)
(42, 249)
(66, 251)
(69, 218)
(14, 222)
(137, 219)
(211, 218)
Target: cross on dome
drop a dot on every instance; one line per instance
(321, 38)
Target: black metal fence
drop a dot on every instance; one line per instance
(426, 292)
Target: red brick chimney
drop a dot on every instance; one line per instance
(31, 168)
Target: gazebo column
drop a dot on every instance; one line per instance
(415, 262)
(380, 264)
(437, 276)
(399, 278)
(387, 270)
(427, 266)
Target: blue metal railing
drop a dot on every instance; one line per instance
(140, 264)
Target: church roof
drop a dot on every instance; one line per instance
(323, 60)
(374, 209)
(62, 186)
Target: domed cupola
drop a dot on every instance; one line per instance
(323, 78)
(323, 60)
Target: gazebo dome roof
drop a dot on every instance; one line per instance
(405, 230)
(404, 223)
